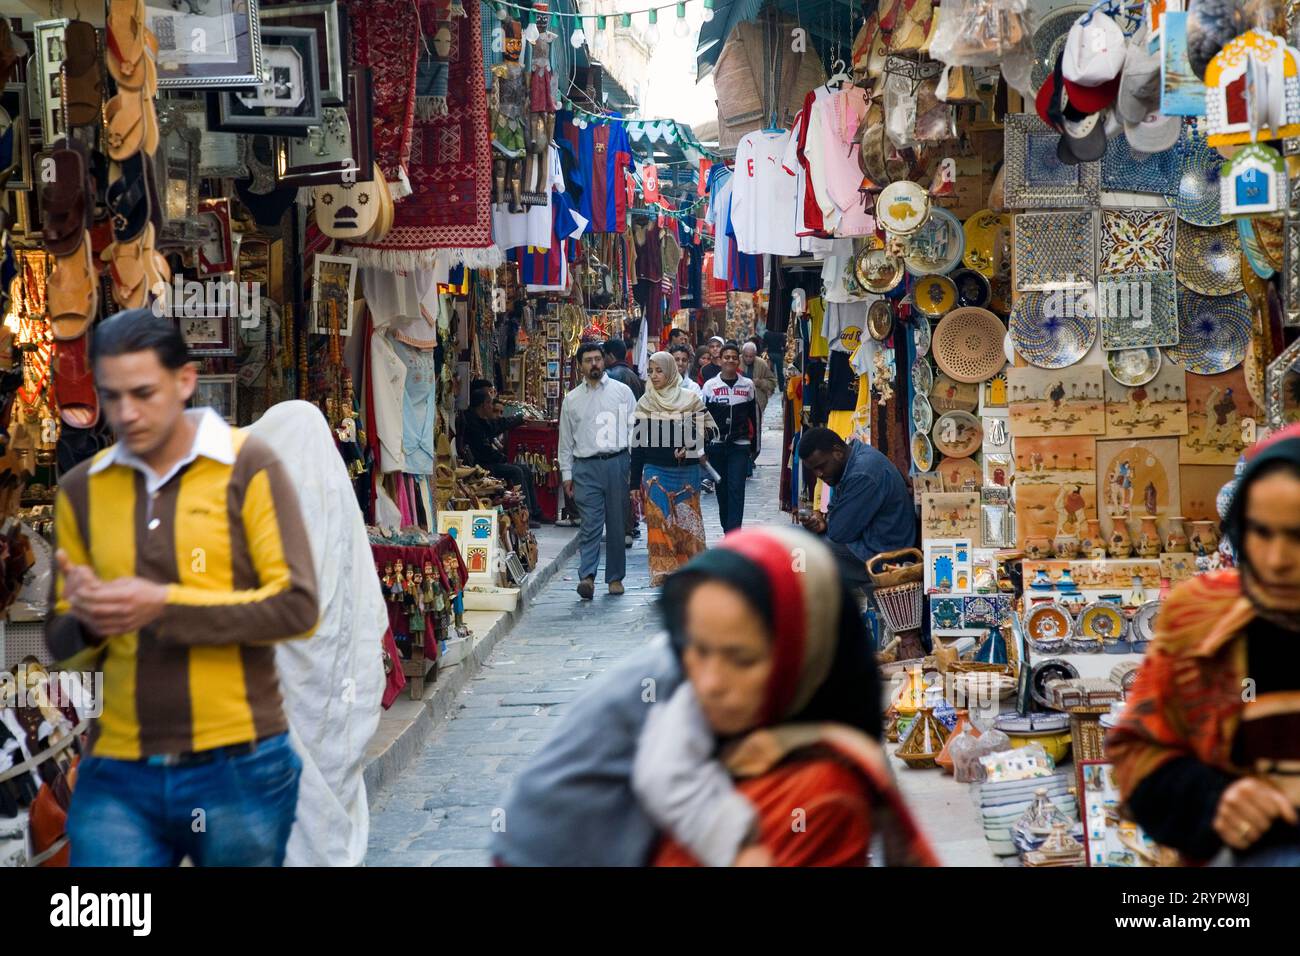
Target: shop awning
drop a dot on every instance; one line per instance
(829, 23)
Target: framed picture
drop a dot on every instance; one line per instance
(217, 254)
(177, 166)
(553, 370)
(553, 330)
(1108, 838)
(344, 141)
(208, 336)
(330, 26)
(218, 393)
(206, 44)
(287, 102)
(516, 370)
(15, 130)
(47, 83)
(553, 351)
(1036, 177)
(552, 389)
(221, 155)
(334, 280)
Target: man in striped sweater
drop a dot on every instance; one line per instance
(182, 557)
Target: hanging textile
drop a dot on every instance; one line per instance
(384, 38)
(450, 205)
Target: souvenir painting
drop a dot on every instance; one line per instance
(949, 395)
(1153, 409)
(1208, 259)
(1176, 566)
(1217, 407)
(995, 392)
(940, 565)
(1055, 486)
(946, 613)
(1254, 181)
(960, 474)
(1137, 479)
(1035, 177)
(999, 469)
(1137, 240)
(1200, 485)
(1238, 110)
(1181, 92)
(950, 515)
(1213, 331)
(1138, 310)
(1068, 401)
(1133, 367)
(1054, 329)
(1054, 249)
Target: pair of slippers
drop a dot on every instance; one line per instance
(131, 123)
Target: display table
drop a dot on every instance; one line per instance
(452, 573)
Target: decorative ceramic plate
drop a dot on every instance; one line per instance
(878, 271)
(1138, 310)
(1049, 38)
(988, 235)
(1213, 332)
(949, 395)
(903, 207)
(937, 246)
(935, 295)
(922, 375)
(1143, 626)
(1208, 260)
(1137, 240)
(880, 319)
(921, 335)
(1035, 177)
(1055, 249)
(922, 413)
(922, 451)
(1121, 171)
(960, 474)
(973, 288)
(1253, 249)
(1197, 200)
(1134, 367)
(1102, 621)
(1049, 621)
(1054, 340)
(968, 344)
(957, 434)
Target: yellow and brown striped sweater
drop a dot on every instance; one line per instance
(230, 542)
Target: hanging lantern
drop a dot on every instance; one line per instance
(681, 29)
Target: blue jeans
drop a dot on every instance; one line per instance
(731, 462)
(229, 811)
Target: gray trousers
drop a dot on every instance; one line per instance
(600, 488)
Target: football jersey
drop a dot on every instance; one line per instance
(763, 201)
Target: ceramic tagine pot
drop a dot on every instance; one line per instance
(1093, 544)
(1205, 534)
(1039, 547)
(1177, 538)
(1148, 542)
(1120, 544)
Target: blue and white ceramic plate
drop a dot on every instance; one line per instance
(1054, 329)
(1208, 259)
(922, 413)
(921, 335)
(922, 376)
(1213, 331)
(936, 247)
(1049, 37)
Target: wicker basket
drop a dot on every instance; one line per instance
(1086, 732)
(901, 606)
(887, 571)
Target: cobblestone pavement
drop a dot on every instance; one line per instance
(439, 811)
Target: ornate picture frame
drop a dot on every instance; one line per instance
(331, 26)
(46, 84)
(221, 155)
(230, 56)
(15, 103)
(1035, 178)
(1283, 387)
(228, 113)
(344, 141)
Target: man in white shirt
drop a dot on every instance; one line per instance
(595, 463)
(682, 356)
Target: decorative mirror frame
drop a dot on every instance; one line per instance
(178, 166)
(195, 113)
(1278, 369)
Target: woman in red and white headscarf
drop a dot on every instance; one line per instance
(781, 675)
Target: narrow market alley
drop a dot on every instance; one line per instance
(440, 809)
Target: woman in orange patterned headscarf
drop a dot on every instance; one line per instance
(1207, 753)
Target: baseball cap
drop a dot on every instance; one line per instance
(1092, 58)
(1155, 134)
(1139, 85)
(1083, 133)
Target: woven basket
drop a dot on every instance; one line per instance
(886, 570)
(1086, 732)
(901, 607)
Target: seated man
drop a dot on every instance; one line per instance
(871, 510)
(484, 426)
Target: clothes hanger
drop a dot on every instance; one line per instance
(839, 76)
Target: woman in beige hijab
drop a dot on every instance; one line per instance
(667, 452)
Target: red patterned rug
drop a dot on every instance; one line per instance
(450, 206)
(384, 36)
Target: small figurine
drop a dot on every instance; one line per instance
(387, 579)
(398, 581)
